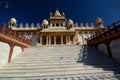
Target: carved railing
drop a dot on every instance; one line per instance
(4, 33)
(12, 38)
(111, 33)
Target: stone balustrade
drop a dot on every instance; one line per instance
(32, 26)
(11, 39)
(13, 34)
(86, 25)
(107, 41)
(111, 33)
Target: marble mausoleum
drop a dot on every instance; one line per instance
(57, 30)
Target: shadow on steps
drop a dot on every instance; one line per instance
(90, 56)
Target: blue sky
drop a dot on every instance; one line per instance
(34, 11)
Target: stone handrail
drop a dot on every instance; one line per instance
(106, 37)
(112, 33)
(12, 38)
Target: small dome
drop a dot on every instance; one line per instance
(70, 22)
(99, 21)
(13, 20)
(45, 22)
(63, 14)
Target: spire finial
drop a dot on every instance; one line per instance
(57, 13)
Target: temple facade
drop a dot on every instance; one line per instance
(57, 30)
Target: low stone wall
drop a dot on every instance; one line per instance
(4, 53)
(115, 49)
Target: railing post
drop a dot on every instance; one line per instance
(109, 30)
(11, 51)
(115, 27)
(109, 49)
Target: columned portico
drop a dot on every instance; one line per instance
(56, 39)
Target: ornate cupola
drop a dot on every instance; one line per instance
(51, 15)
(99, 23)
(63, 15)
(45, 24)
(70, 24)
(57, 20)
(12, 22)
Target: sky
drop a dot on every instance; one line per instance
(85, 11)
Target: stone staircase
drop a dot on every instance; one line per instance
(61, 62)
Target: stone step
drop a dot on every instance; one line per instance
(106, 76)
(63, 57)
(45, 59)
(56, 69)
(64, 61)
(47, 56)
(41, 57)
(60, 63)
(51, 73)
(55, 61)
(40, 61)
(45, 64)
(59, 66)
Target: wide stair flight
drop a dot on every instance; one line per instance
(61, 62)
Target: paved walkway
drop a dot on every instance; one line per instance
(61, 63)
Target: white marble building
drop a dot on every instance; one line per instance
(57, 30)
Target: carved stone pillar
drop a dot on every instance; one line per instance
(55, 40)
(40, 39)
(61, 39)
(49, 40)
(73, 39)
(67, 39)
